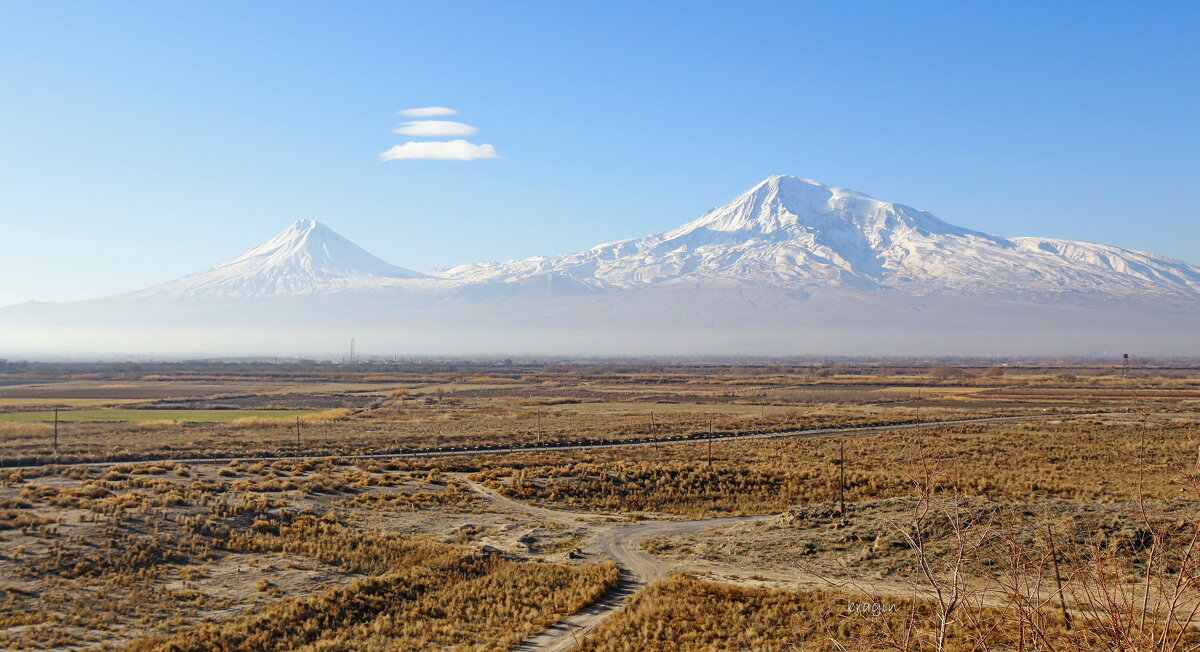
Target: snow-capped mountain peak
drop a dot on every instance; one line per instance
(304, 258)
(309, 247)
(792, 205)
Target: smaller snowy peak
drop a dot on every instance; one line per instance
(305, 258)
(310, 248)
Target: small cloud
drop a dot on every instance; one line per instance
(444, 150)
(428, 111)
(436, 128)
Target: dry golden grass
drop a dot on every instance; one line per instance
(682, 613)
(270, 422)
(426, 406)
(1073, 459)
(688, 614)
(90, 556)
(153, 530)
(437, 599)
(17, 430)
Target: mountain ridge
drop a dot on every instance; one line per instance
(785, 232)
(788, 266)
(800, 233)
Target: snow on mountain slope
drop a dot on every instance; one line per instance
(305, 258)
(1126, 262)
(790, 266)
(785, 233)
(800, 234)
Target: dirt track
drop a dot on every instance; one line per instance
(619, 541)
(552, 446)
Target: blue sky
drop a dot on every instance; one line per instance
(140, 141)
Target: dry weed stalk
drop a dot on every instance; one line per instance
(1003, 578)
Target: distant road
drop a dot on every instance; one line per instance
(531, 447)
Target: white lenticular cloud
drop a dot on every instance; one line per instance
(444, 150)
(428, 111)
(436, 128)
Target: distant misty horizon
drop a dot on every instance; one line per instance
(788, 267)
(446, 266)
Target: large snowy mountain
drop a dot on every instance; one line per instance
(800, 234)
(789, 266)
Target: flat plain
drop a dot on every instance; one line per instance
(871, 505)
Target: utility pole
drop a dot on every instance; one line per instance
(1125, 367)
(710, 438)
(1062, 601)
(297, 434)
(842, 477)
(56, 432)
(539, 426)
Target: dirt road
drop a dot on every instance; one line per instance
(37, 461)
(623, 544)
(619, 541)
